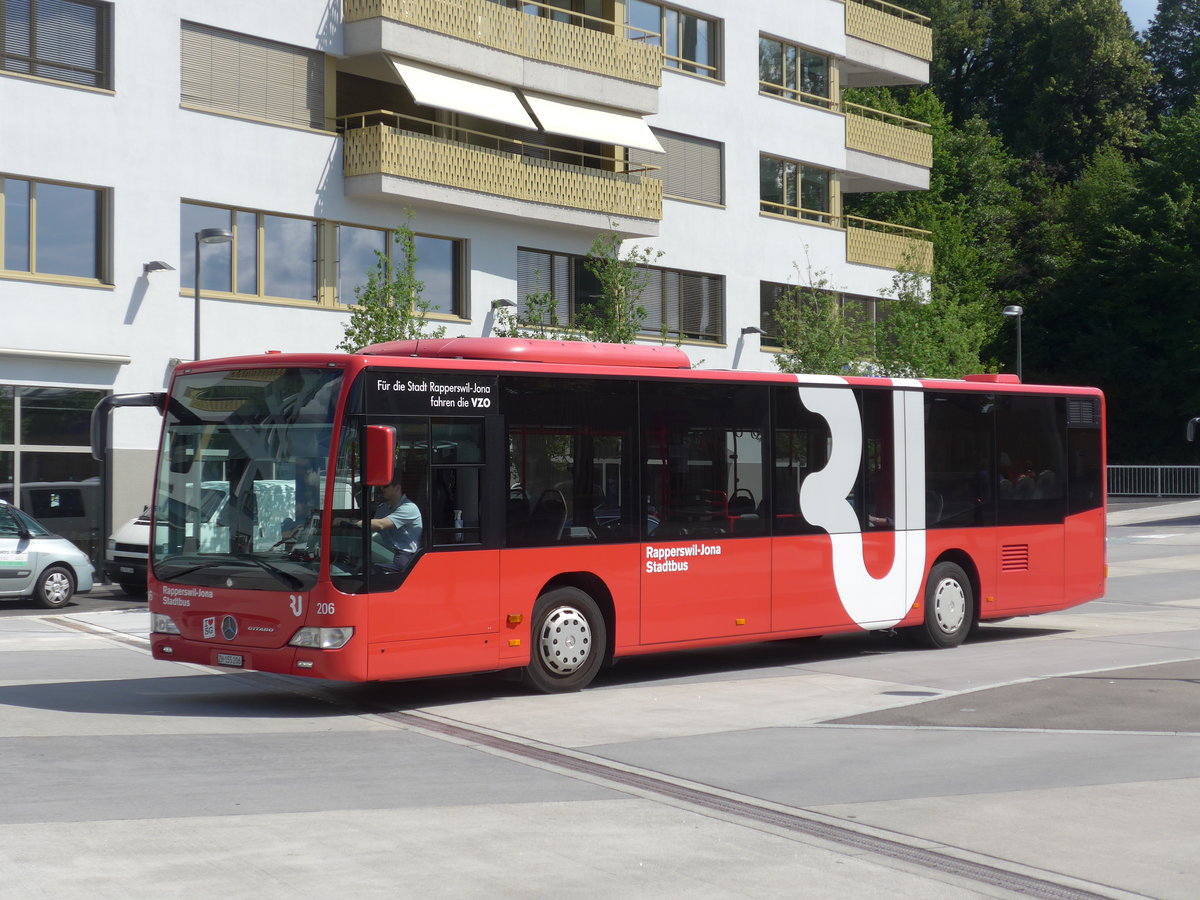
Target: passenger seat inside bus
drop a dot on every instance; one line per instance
(548, 518)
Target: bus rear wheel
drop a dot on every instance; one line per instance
(949, 607)
(569, 636)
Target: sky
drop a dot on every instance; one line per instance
(1140, 12)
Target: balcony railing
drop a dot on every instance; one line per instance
(867, 129)
(381, 142)
(580, 42)
(868, 242)
(884, 134)
(890, 26)
(889, 246)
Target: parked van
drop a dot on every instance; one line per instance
(127, 556)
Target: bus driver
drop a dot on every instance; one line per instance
(397, 523)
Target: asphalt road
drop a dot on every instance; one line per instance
(1056, 756)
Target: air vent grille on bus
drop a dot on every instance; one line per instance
(1014, 558)
(1083, 411)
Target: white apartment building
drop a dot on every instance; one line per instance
(508, 134)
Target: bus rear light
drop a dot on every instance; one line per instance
(322, 638)
(161, 623)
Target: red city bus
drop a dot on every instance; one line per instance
(479, 504)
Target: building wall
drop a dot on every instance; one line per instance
(139, 143)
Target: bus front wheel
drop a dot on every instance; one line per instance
(568, 636)
(949, 607)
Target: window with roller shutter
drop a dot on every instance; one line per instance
(225, 72)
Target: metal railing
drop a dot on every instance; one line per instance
(1154, 481)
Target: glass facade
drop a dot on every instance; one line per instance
(46, 465)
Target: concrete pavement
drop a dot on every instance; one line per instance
(1064, 749)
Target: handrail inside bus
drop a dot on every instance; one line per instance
(537, 351)
(99, 423)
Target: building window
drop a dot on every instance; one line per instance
(270, 255)
(66, 40)
(53, 229)
(869, 311)
(358, 252)
(787, 70)
(689, 41)
(678, 304)
(277, 257)
(247, 76)
(789, 188)
(439, 266)
(691, 169)
(561, 11)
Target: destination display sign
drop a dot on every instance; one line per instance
(408, 393)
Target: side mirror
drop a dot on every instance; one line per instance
(1191, 428)
(380, 454)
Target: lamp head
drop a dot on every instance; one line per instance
(1014, 310)
(214, 236)
(156, 265)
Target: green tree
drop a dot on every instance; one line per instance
(1125, 315)
(1173, 40)
(615, 314)
(1055, 79)
(390, 305)
(944, 328)
(814, 335)
(611, 311)
(537, 319)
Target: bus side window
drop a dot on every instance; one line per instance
(801, 447)
(704, 452)
(456, 481)
(569, 461)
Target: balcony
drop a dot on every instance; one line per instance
(884, 134)
(868, 242)
(557, 37)
(888, 246)
(409, 157)
(887, 25)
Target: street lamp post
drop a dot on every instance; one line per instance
(1016, 312)
(204, 236)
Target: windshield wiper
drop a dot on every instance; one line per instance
(286, 577)
(190, 569)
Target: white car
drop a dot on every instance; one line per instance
(36, 563)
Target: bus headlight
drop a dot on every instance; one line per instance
(322, 638)
(161, 623)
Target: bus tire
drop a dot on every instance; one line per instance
(949, 607)
(568, 638)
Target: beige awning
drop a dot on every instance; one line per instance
(464, 94)
(593, 123)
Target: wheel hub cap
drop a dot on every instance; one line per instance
(57, 587)
(565, 642)
(949, 605)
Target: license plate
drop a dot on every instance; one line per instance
(127, 569)
(229, 659)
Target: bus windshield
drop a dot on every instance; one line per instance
(242, 477)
